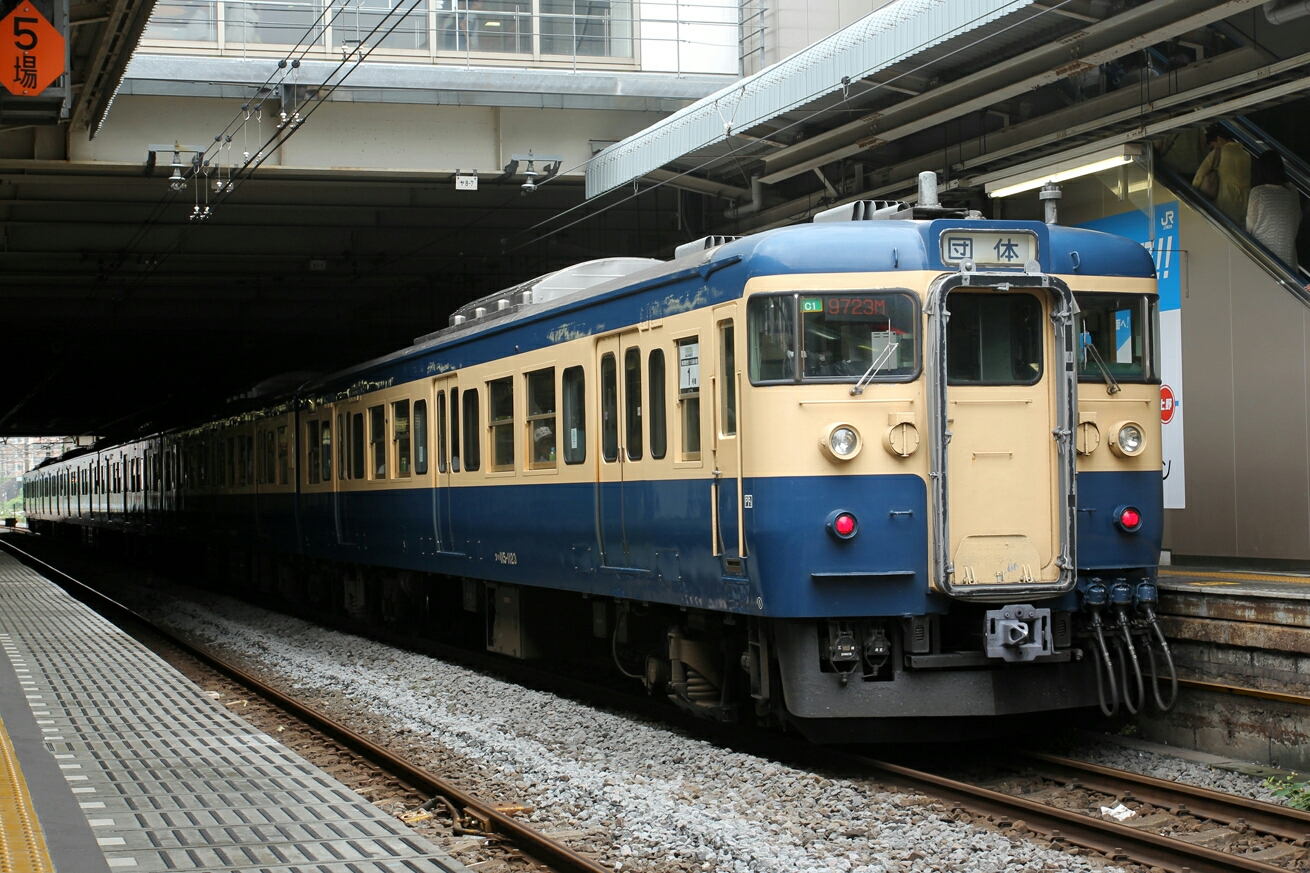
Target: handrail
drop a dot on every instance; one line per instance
(1255, 140)
(1282, 273)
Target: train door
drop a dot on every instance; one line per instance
(725, 441)
(1004, 514)
(609, 466)
(446, 426)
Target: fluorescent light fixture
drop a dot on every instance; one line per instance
(1064, 170)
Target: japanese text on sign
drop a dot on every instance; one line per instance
(993, 249)
(32, 51)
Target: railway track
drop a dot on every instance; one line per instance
(1027, 814)
(468, 814)
(1167, 831)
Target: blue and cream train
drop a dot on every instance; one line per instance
(863, 476)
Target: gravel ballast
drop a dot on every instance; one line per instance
(1162, 766)
(634, 794)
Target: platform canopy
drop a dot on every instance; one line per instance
(972, 89)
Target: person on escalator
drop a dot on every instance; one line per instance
(1225, 174)
(1273, 212)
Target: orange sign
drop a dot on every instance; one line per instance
(31, 51)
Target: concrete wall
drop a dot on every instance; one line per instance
(1246, 348)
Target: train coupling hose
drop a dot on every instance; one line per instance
(1095, 597)
(1121, 600)
(1147, 598)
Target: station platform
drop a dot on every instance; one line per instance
(111, 760)
(1230, 582)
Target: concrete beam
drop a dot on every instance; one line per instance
(384, 82)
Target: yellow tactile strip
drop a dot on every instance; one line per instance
(1226, 576)
(22, 845)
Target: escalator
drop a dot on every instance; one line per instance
(1255, 141)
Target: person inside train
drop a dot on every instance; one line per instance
(1273, 211)
(1225, 174)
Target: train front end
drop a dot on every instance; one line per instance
(956, 508)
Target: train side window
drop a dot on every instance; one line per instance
(609, 409)
(728, 367)
(283, 457)
(441, 431)
(689, 397)
(632, 402)
(400, 436)
(326, 439)
(377, 437)
(241, 461)
(270, 456)
(454, 430)
(343, 447)
(541, 418)
(357, 445)
(574, 409)
(420, 437)
(472, 445)
(500, 415)
(312, 451)
(658, 429)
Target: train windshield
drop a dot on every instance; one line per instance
(1116, 336)
(841, 337)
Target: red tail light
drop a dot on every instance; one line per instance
(1129, 518)
(843, 525)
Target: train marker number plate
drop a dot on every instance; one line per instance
(990, 248)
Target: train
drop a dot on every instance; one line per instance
(893, 473)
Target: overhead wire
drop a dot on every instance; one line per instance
(285, 131)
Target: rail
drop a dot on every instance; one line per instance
(1119, 842)
(556, 855)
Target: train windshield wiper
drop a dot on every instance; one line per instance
(1111, 386)
(875, 368)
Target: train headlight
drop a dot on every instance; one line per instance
(841, 442)
(1127, 439)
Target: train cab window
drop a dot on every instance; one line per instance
(574, 411)
(420, 437)
(658, 433)
(845, 336)
(454, 430)
(689, 397)
(632, 402)
(312, 450)
(283, 457)
(472, 445)
(325, 440)
(771, 323)
(541, 418)
(500, 398)
(993, 339)
(1116, 336)
(357, 445)
(400, 436)
(609, 408)
(441, 431)
(728, 367)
